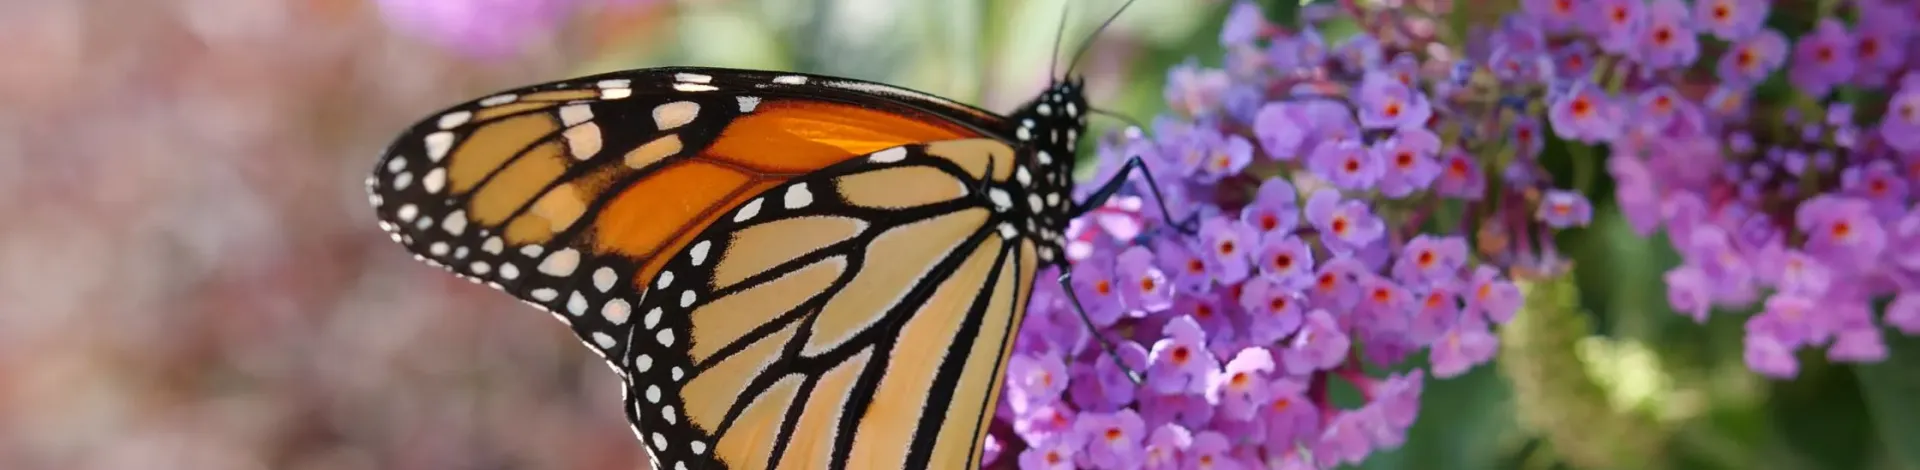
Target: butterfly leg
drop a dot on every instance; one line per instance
(1189, 226)
(1066, 285)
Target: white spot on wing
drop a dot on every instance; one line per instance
(509, 271)
(531, 250)
(402, 180)
(798, 196)
(574, 114)
(752, 208)
(455, 223)
(396, 164)
(693, 78)
(748, 103)
(438, 144)
(889, 155)
(665, 279)
(687, 298)
(434, 181)
(652, 319)
(698, 447)
(545, 295)
(614, 83)
(455, 119)
(643, 363)
(665, 337)
(561, 263)
(617, 311)
(497, 100)
(790, 80)
(675, 114)
(493, 245)
(604, 278)
(407, 213)
(605, 341)
(653, 394)
(693, 87)
(1001, 200)
(670, 415)
(577, 304)
(615, 93)
(699, 252)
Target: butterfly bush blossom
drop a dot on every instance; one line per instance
(1780, 167)
(1336, 211)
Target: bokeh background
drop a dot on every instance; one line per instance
(190, 277)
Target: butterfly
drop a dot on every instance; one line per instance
(785, 270)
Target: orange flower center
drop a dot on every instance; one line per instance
(1392, 110)
(1458, 167)
(1339, 225)
(1721, 11)
(1195, 266)
(1269, 222)
(1227, 247)
(1239, 379)
(1283, 261)
(1103, 287)
(1425, 258)
(1842, 229)
(1277, 304)
(1404, 159)
(1114, 434)
(1181, 355)
(1581, 107)
(1147, 284)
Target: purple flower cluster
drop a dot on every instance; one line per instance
(1798, 206)
(1316, 175)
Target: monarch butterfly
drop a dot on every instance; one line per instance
(786, 270)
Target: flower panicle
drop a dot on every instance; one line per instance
(1358, 202)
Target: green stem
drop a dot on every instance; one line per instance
(1585, 166)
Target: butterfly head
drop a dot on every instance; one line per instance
(1048, 130)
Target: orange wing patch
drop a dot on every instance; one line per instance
(809, 135)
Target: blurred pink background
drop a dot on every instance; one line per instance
(189, 275)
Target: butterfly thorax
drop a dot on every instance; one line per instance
(1047, 131)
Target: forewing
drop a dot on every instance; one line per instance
(569, 195)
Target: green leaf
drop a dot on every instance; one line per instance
(1818, 415)
(1891, 390)
(1285, 13)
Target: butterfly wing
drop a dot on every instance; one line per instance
(630, 206)
(569, 195)
(857, 317)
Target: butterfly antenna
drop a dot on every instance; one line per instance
(1066, 285)
(1088, 44)
(1060, 30)
(1129, 120)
